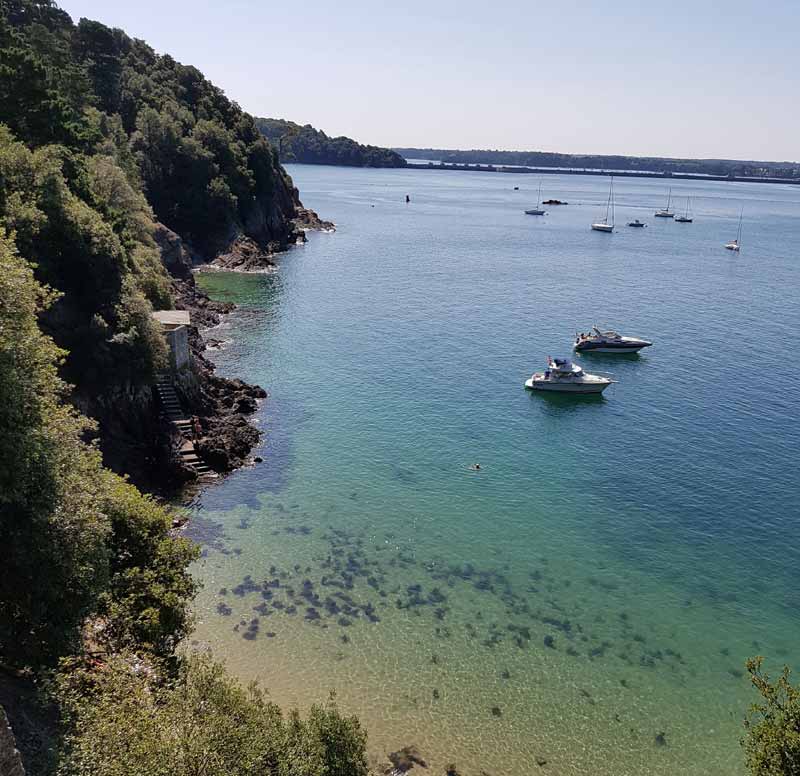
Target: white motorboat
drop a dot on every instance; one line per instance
(666, 212)
(604, 225)
(563, 376)
(598, 341)
(735, 245)
(537, 211)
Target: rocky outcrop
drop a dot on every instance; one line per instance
(307, 220)
(174, 255)
(10, 758)
(222, 407)
(267, 219)
(246, 255)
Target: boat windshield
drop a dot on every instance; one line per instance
(610, 334)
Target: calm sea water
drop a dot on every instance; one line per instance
(589, 597)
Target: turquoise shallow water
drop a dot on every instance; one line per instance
(587, 598)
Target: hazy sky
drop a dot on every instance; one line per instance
(667, 78)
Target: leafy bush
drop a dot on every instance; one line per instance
(125, 721)
(772, 744)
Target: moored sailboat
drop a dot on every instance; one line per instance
(666, 212)
(736, 244)
(686, 218)
(537, 211)
(604, 225)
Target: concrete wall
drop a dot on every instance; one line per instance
(179, 352)
(10, 761)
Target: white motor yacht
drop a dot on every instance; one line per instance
(563, 376)
(598, 341)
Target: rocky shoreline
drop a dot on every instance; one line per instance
(222, 407)
(246, 255)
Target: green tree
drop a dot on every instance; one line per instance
(125, 720)
(772, 743)
(78, 542)
(54, 540)
(145, 605)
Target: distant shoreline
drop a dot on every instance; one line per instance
(616, 173)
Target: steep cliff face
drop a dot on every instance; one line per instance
(120, 169)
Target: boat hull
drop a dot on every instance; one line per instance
(565, 387)
(731, 247)
(534, 212)
(602, 227)
(612, 349)
(665, 215)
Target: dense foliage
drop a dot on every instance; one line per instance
(717, 167)
(307, 145)
(89, 233)
(205, 167)
(772, 744)
(77, 541)
(100, 138)
(103, 137)
(128, 721)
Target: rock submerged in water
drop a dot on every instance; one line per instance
(405, 759)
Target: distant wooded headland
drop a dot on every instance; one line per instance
(307, 145)
(623, 166)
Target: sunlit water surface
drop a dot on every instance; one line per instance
(588, 597)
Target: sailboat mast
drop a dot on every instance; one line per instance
(612, 201)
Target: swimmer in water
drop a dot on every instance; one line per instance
(476, 467)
